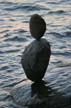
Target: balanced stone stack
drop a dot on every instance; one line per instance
(36, 56)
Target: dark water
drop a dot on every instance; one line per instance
(15, 36)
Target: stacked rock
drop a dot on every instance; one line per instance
(36, 56)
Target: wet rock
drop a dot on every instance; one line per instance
(35, 59)
(26, 94)
(37, 26)
(38, 95)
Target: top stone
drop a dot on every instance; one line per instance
(37, 26)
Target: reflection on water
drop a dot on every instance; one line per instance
(15, 36)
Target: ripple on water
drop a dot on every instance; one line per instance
(14, 36)
(30, 7)
(16, 39)
(68, 34)
(58, 35)
(58, 12)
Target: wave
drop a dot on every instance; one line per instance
(68, 33)
(16, 38)
(61, 35)
(58, 2)
(56, 34)
(25, 7)
(7, 3)
(57, 12)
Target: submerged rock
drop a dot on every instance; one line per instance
(56, 93)
(26, 94)
(35, 59)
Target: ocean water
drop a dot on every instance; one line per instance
(15, 36)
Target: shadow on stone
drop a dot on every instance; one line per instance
(51, 98)
(39, 95)
(40, 89)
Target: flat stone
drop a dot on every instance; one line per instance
(35, 59)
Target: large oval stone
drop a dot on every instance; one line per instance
(35, 59)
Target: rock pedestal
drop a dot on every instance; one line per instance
(56, 93)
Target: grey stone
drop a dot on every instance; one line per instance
(23, 94)
(39, 95)
(35, 59)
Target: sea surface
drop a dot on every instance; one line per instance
(15, 36)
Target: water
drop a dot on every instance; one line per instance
(15, 36)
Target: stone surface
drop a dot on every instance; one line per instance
(26, 93)
(37, 26)
(56, 93)
(38, 95)
(35, 59)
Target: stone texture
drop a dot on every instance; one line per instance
(35, 59)
(37, 26)
(24, 94)
(56, 93)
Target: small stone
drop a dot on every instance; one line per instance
(37, 26)
(35, 59)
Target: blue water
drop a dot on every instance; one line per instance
(15, 36)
